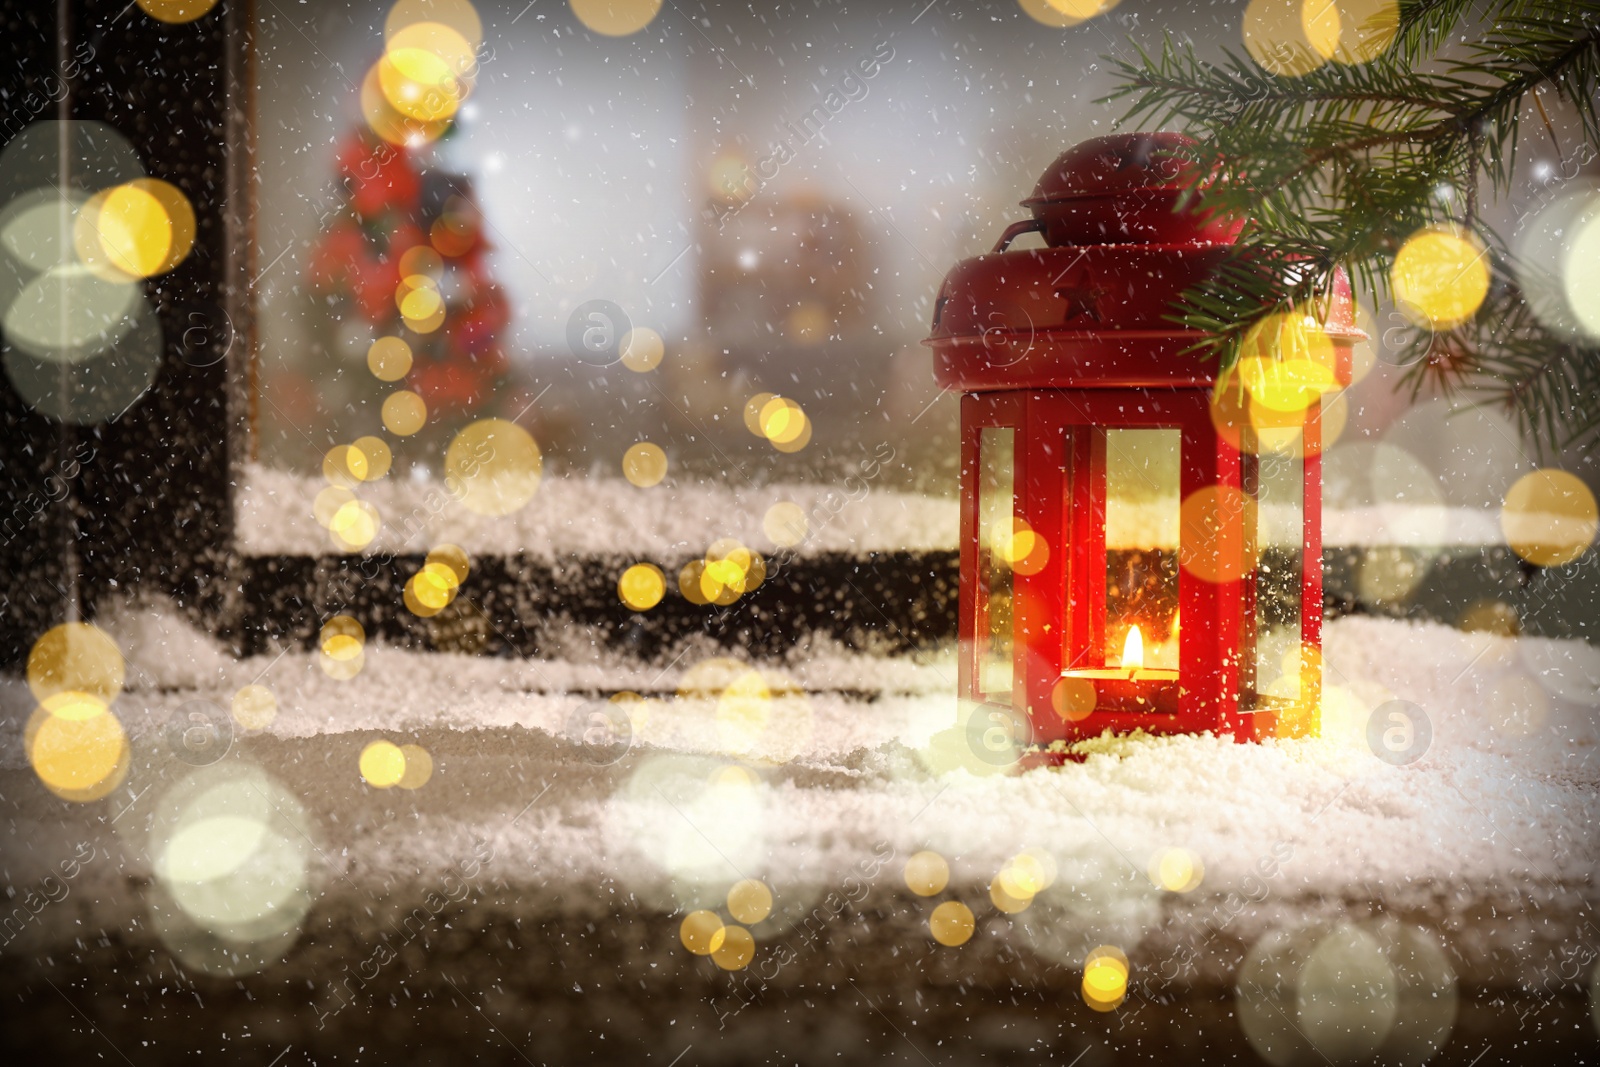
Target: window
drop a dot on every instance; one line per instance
(996, 580)
(1272, 658)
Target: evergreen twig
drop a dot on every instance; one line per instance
(1336, 167)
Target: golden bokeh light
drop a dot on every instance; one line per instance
(1230, 411)
(749, 901)
(1004, 900)
(389, 123)
(404, 412)
(421, 259)
(689, 582)
(1291, 37)
(177, 220)
(730, 571)
(1286, 362)
(376, 456)
(951, 923)
(328, 502)
(254, 707)
(342, 668)
(738, 948)
(1284, 386)
(644, 464)
(453, 557)
(427, 70)
(642, 586)
(176, 11)
(616, 18)
(415, 602)
(785, 524)
(752, 412)
(76, 746)
(1277, 429)
(429, 323)
(1177, 870)
(344, 467)
(1020, 547)
(458, 15)
(1366, 29)
(134, 230)
(1105, 978)
(437, 583)
(642, 349)
(797, 443)
(354, 526)
(418, 767)
(1063, 13)
(419, 84)
(418, 303)
(1549, 517)
(431, 589)
(341, 628)
(75, 657)
(1283, 432)
(342, 642)
(926, 873)
(382, 764)
(1027, 874)
(1212, 542)
(389, 359)
(1074, 699)
(493, 467)
(702, 932)
(782, 422)
(1440, 277)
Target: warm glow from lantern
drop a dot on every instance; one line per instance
(1133, 649)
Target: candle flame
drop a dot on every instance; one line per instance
(1133, 649)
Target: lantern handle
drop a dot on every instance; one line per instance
(1015, 230)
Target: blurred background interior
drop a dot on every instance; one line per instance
(774, 193)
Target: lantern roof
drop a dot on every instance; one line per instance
(1093, 307)
(1115, 165)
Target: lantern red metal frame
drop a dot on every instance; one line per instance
(1061, 345)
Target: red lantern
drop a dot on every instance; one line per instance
(1140, 549)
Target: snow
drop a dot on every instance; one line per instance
(576, 516)
(572, 515)
(855, 754)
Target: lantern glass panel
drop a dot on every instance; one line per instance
(1143, 502)
(1273, 660)
(996, 582)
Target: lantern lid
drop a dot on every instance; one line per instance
(1092, 309)
(1114, 165)
(1124, 188)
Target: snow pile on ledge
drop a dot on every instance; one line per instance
(1505, 796)
(573, 515)
(579, 516)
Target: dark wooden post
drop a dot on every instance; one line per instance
(142, 502)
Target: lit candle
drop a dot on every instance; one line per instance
(1133, 649)
(1131, 686)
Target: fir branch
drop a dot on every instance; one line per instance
(1335, 168)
